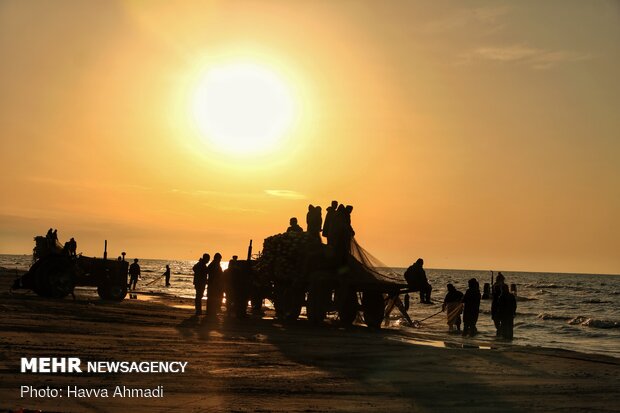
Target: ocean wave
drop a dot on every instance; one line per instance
(592, 322)
(537, 285)
(547, 316)
(596, 301)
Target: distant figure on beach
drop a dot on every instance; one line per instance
(314, 219)
(294, 226)
(215, 288)
(200, 281)
(452, 306)
(506, 312)
(416, 278)
(330, 212)
(471, 308)
(134, 274)
(496, 292)
(167, 275)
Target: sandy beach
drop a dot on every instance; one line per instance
(265, 365)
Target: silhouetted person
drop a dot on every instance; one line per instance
(228, 283)
(49, 233)
(55, 236)
(349, 210)
(294, 226)
(416, 278)
(471, 308)
(215, 288)
(167, 275)
(506, 311)
(134, 274)
(200, 281)
(452, 306)
(73, 247)
(314, 219)
(329, 216)
(340, 235)
(497, 291)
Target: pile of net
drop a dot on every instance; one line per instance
(281, 255)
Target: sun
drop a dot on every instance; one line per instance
(243, 108)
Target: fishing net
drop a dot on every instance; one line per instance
(373, 265)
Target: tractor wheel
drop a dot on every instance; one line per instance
(112, 292)
(373, 306)
(347, 306)
(54, 277)
(288, 301)
(319, 298)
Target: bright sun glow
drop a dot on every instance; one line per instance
(243, 108)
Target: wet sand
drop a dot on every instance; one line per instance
(265, 365)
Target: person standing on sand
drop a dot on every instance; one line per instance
(134, 274)
(215, 288)
(200, 281)
(497, 291)
(453, 307)
(506, 311)
(167, 275)
(471, 308)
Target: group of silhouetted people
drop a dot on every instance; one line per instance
(503, 308)
(69, 247)
(336, 227)
(209, 274)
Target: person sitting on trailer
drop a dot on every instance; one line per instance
(453, 307)
(294, 226)
(416, 278)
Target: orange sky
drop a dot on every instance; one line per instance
(483, 135)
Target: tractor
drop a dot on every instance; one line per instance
(55, 272)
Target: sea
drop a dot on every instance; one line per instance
(579, 312)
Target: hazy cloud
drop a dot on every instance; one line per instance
(488, 18)
(519, 53)
(283, 193)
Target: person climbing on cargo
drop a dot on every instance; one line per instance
(215, 289)
(134, 274)
(452, 306)
(314, 220)
(471, 308)
(330, 212)
(506, 311)
(73, 247)
(200, 281)
(497, 291)
(341, 234)
(416, 278)
(294, 226)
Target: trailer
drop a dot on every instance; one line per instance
(296, 270)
